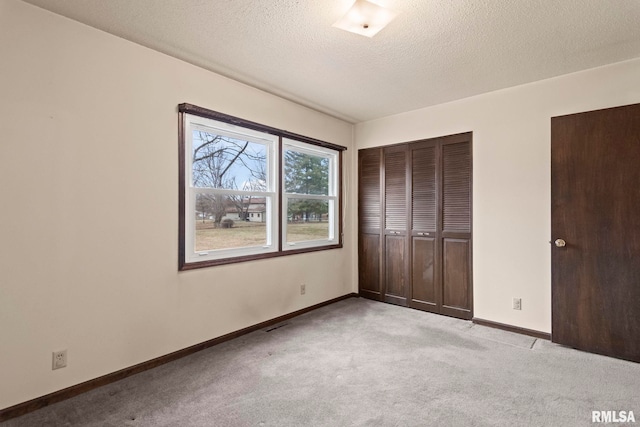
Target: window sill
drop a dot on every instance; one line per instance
(214, 262)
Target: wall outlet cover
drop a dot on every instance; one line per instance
(517, 303)
(59, 359)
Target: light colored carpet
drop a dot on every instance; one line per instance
(363, 363)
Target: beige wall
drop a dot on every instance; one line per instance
(89, 191)
(511, 177)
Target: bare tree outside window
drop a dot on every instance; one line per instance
(223, 162)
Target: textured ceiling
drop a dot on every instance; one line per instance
(435, 51)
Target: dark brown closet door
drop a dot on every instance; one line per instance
(370, 222)
(395, 248)
(456, 227)
(414, 238)
(425, 269)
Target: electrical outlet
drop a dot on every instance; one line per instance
(59, 359)
(303, 289)
(517, 303)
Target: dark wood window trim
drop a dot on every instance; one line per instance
(214, 115)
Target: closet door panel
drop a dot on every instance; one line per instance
(424, 207)
(424, 226)
(369, 194)
(396, 218)
(456, 187)
(395, 266)
(456, 296)
(424, 293)
(369, 264)
(370, 222)
(457, 290)
(395, 189)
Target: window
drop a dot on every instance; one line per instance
(310, 195)
(228, 170)
(248, 191)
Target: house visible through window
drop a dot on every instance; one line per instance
(232, 208)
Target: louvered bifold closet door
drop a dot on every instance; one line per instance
(415, 225)
(424, 266)
(370, 222)
(395, 246)
(456, 226)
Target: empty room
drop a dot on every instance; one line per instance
(329, 213)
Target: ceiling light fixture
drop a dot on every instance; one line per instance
(365, 18)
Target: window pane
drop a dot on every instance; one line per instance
(305, 173)
(307, 220)
(223, 162)
(229, 222)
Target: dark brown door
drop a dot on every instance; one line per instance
(456, 227)
(395, 247)
(425, 248)
(595, 211)
(441, 226)
(370, 222)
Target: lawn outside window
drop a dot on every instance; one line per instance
(248, 191)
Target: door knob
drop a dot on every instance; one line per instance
(560, 243)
